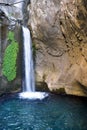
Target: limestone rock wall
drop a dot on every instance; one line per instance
(59, 32)
(10, 15)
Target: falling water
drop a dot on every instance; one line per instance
(29, 83)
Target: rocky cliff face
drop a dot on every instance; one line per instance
(59, 32)
(10, 15)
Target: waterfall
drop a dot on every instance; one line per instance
(28, 80)
(29, 83)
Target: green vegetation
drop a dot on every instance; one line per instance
(10, 57)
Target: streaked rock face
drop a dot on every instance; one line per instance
(12, 9)
(9, 15)
(59, 31)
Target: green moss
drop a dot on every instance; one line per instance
(10, 57)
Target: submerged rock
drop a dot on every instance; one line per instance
(59, 32)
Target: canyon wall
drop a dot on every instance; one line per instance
(10, 16)
(59, 33)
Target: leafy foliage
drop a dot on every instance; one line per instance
(11, 36)
(10, 57)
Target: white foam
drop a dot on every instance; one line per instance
(33, 95)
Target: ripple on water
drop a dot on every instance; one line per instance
(52, 113)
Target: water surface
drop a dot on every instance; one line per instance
(53, 113)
